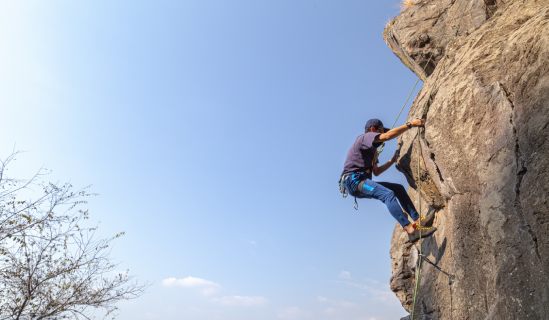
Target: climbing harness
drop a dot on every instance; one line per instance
(357, 180)
(341, 184)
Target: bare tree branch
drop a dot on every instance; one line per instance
(52, 265)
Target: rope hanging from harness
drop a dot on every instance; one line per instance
(421, 257)
(419, 260)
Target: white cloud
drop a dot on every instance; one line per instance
(372, 288)
(206, 287)
(344, 275)
(293, 313)
(336, 303)
(188, 282)
(241, 301)
(211, 290)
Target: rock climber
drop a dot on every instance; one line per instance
(356, 179)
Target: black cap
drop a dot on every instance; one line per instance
(375, 123)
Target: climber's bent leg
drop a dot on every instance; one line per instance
(403, 198)
(374, 190)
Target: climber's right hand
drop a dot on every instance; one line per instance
(417, 123)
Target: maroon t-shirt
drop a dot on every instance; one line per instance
(361, 154)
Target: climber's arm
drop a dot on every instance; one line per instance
(395, 132)
(377, 170)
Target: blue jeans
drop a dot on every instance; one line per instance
(392, 194)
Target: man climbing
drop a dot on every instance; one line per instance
(356, 178)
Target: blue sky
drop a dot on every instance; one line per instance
(214, 132)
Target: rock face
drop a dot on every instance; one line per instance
(482, 160)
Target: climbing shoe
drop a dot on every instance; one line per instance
(428, 219)
(421, 233)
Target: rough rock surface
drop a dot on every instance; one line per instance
(482, 160)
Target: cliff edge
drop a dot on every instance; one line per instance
(482, 159)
